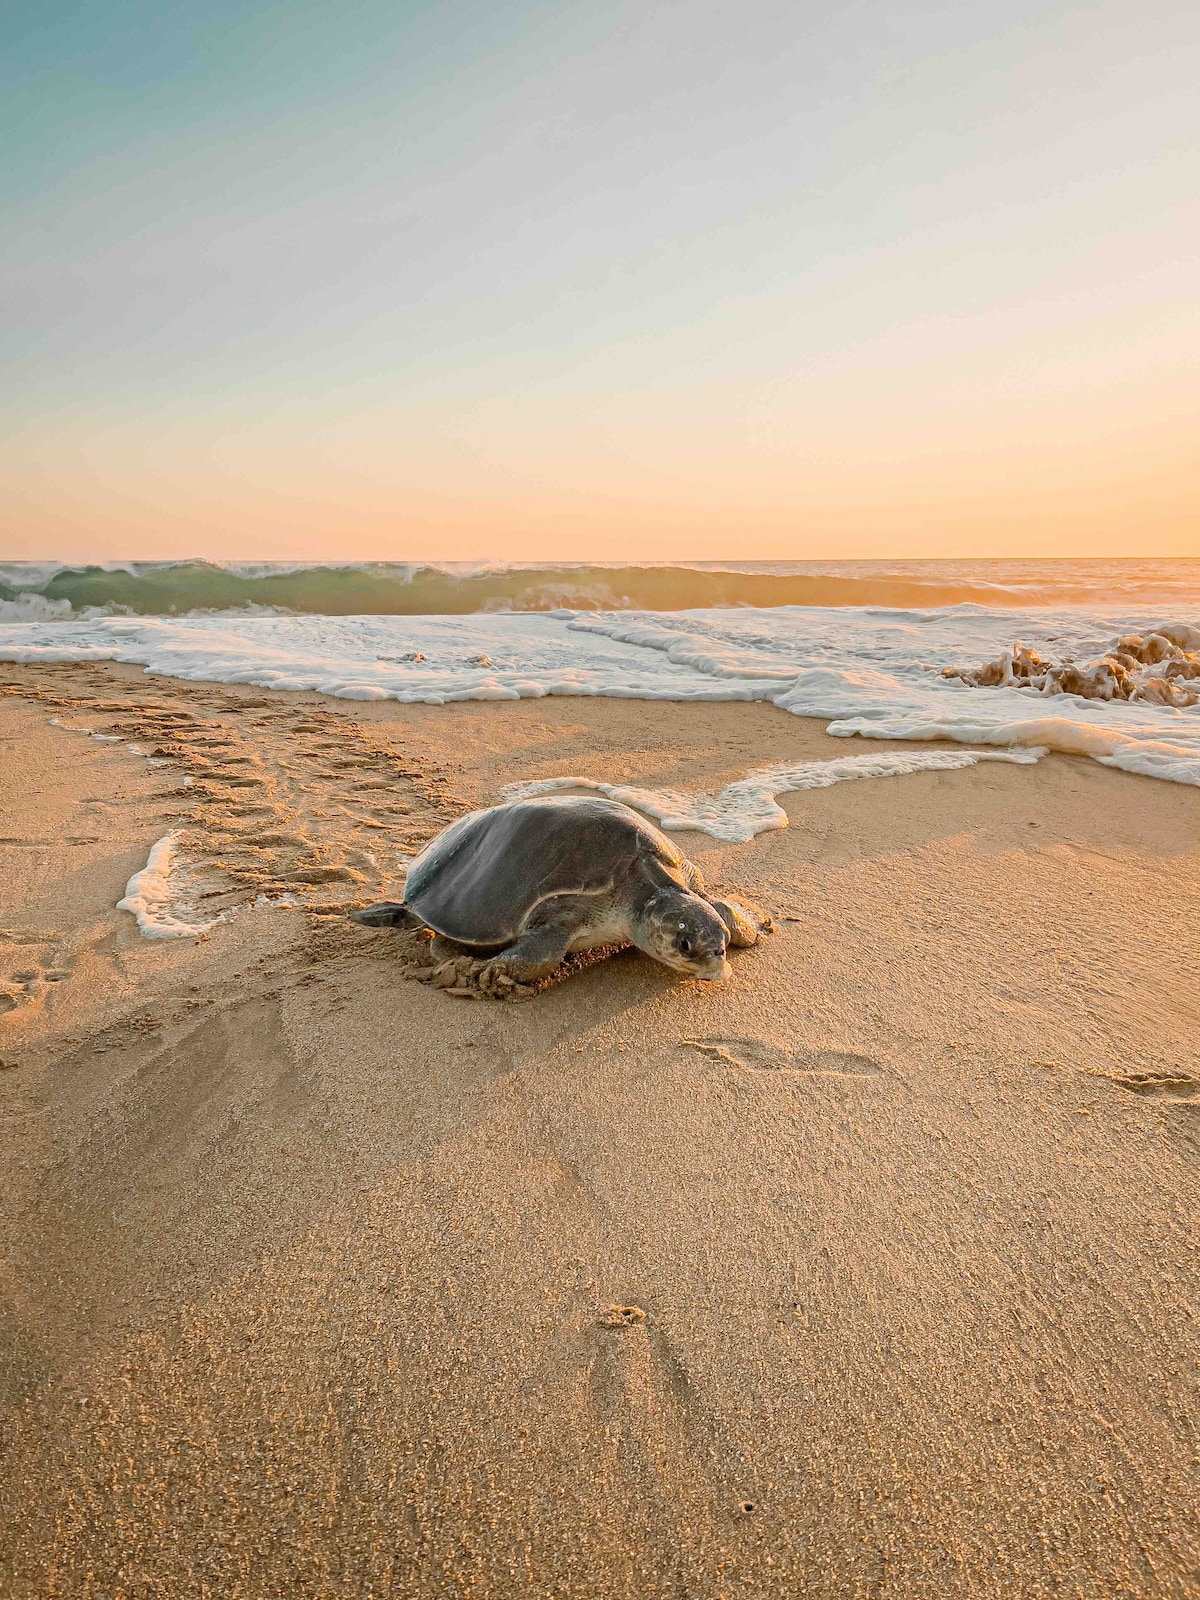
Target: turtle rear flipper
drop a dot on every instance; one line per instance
(388, 914)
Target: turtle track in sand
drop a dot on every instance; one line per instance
(275, 797)
(283, 798)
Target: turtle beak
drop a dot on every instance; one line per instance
(713, 968)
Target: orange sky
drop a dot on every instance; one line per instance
(567, 282)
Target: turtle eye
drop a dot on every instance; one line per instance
(685, 946)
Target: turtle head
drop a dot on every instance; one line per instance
(683, 931)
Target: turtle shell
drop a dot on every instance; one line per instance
(478, 881)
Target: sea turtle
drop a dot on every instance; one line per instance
(524, 883)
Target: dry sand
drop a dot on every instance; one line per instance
(311, 1278)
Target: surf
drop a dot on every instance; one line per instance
(29, 590)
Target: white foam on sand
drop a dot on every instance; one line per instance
(864, 671)
(152, 897)
(149, 895)
(748, 806)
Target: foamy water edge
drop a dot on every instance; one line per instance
(874, 674)
(868, 673)
(748, 806)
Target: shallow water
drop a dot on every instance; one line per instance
(870, 671)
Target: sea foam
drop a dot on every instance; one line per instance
(153, 896)
(748, 806)
(150, 896)
(869, 672)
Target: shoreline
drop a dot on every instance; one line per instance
(1120, 687)
(312, 1278)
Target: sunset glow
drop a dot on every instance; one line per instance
(560, 282)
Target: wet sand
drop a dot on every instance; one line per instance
(871, 1272)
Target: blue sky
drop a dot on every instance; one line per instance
(467, 280)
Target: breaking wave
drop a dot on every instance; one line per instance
(35, 590)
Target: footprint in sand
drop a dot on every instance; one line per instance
(621, 1317)
(28, 966)
(1173, 1085)
(652, 1429)
(757, 1055)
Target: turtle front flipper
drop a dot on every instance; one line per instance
(744, 921)
(535, 955)
(388, 914)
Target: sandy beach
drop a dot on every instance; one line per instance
(870, 1272)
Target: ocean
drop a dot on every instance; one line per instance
(864, 646)
(372, 588)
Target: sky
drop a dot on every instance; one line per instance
(517, 280)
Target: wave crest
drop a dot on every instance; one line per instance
(176, 588)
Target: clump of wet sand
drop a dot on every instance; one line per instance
(425, 957)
